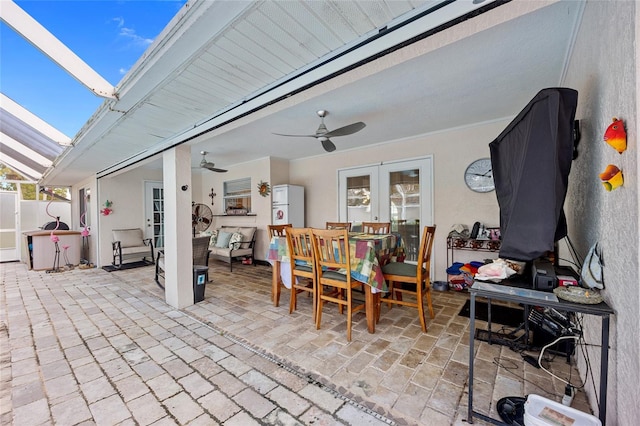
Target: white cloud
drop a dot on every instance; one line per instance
(122, 71)
(130, 35)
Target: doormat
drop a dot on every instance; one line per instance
(504, 315)
(130, 265)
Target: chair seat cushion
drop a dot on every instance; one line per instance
(225, 252)
(303, 268)
(333, 275)
(400, 268)
(146, 250)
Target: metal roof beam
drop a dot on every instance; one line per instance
(23, 149)
(16, 165)
(30, 120)
(47, 43)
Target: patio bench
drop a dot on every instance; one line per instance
(130, 244)
(232, 242)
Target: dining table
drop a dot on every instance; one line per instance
(368, 253)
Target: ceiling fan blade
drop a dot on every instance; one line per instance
(196, 210)
(328, 145)
(346, 130)
(297, 136)
(210, 166)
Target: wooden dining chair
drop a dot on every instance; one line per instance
(339, 225)
(414, 280)
(376, 227)
(278, 230)
(303, 275)
(331, 250)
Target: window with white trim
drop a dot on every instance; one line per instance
(237, 195)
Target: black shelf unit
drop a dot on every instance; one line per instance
(471, 244)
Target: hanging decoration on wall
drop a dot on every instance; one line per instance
(616, 136)
(611, 177)
(106, 210)
(212, 194)
(264, 189)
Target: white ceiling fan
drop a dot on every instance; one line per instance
(204, 164)
(323, 134)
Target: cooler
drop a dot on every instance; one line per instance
(539, 411)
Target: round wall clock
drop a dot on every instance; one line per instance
(479, 176)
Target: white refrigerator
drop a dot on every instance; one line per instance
(288, 205)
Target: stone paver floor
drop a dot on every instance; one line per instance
(91, 347)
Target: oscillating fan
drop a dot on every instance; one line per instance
(200, 218)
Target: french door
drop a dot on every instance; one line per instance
(154, 212)
(400, 192)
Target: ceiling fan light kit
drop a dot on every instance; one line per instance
(323, 134)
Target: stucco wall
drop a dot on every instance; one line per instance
(603, 68)
(126, 192)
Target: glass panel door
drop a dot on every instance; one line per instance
(154, 213)
(358, 201)
(406, 185)
(398, 192)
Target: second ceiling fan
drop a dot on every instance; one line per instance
(323, 134)
(204, 164)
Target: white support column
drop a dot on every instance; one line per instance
(177, 227)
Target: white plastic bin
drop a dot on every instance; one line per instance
(539, 411)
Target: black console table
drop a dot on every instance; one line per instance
(529, 297)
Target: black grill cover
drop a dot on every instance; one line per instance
(50, 226)
(531, 160)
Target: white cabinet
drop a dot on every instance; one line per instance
(41, 250)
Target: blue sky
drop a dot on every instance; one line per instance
(109, 35)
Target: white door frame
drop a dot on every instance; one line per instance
(149, 210)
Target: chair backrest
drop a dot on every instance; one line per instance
(201, 250)
(339, 225)
(331, 250)
(376, 227)
(299, 241)
(278, 230)
(132, 237)
(424, 255)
